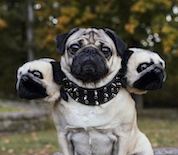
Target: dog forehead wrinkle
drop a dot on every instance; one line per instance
(76, 35)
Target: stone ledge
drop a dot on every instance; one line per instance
(157, 151)
(23, 115)
(166, 151)
(33, 117)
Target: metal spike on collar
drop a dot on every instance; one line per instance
(105, 89)
(77, 99)
(85, 91)
(106, 95)
(118, 84)
(112, 89)
(75, 89)
(85, 97)
(77, 93)
(114, 95)
(86, 101)
(117, 78)
(95, 94)
(113, 84)
(64, 79)
(82, 95)
(69, 90)
(96, 103)
(105, 99)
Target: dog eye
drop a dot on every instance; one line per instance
(106, 51)
(74, 48)
(37, 74)
(142, 67)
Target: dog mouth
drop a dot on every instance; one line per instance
(88, 68)
(89, 65)
(30, 89)
(89, 72)
(151, 80)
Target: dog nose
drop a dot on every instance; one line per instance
(90, 51)
(157, 70)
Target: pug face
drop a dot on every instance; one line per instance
(39, 80)
(90, 55)
(145, 71)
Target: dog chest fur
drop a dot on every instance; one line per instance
(95, 129)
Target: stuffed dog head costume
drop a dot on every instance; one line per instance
(145, 71)
(39, 79)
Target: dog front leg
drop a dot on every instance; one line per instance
(64, 144)
(143, 145)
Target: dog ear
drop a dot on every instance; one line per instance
(61, 40)
(124, 62)
(123, 70)
(121, 46)
(58, 74)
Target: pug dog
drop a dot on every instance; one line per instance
(98, 116)
(145, 71)
(39, 80)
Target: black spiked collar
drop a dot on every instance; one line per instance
(89, 96)
(99, 95)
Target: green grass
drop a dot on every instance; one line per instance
(41, 143)
(161, 133)
(4, 109)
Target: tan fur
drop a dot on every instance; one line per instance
(108, 129)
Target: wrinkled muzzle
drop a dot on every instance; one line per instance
(89, 65)
(151, 80)
(30, 89)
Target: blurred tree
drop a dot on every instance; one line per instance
(30, 28)
(148, 24)
(12, 44)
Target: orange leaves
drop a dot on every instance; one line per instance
(142, 6)
(133, 23)
(130, 27)
(170, 39)
(67, 15)
(3, 23)
(86, 17)
(169, 42)
(69, 11)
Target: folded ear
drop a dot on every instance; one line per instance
(61, 40)
(123, 70)
(58, 74)
(121, 46)
(124, 62)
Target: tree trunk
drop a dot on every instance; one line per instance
(30, 27)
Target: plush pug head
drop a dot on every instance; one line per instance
(90, 57)
(145, 71)
(39, 79)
